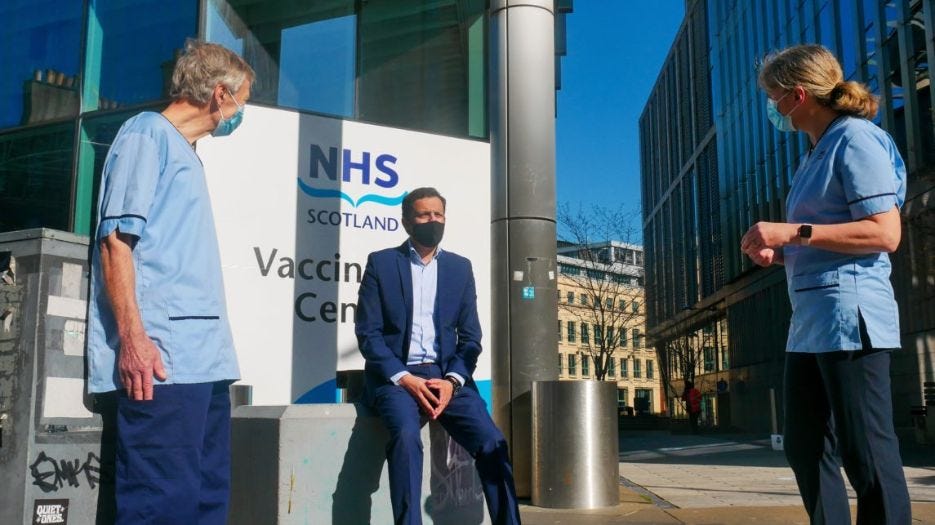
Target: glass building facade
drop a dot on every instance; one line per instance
(712, 165)
(72, 71)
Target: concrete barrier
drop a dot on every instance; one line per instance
(303, 464)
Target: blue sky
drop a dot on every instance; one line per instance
(615, 52)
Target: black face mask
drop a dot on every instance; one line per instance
(428, 234)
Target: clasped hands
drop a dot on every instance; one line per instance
(432, 395)
(764, 240)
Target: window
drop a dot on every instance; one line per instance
(635, 306)
(598, 335)
(38, 41)
(570, 331)
(597, 275)
(135, 70)
(649, 369)
(623, 367)
(637, 341)
(636, 368)
(560, 363)
(609, 304)
(611, 342)
(572, 364)
(584, 299)
(35, 167)
(643, 400)
(708, 359)
(623, 337)
(374, 61)
(568, 269)
(585, 335)
(622, 396)
(611, 369)
(559, 330)
(623, 304)
(570, 297)
(585, 366)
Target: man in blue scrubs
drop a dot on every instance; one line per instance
(158, 327)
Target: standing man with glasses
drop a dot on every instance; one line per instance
(158, 330)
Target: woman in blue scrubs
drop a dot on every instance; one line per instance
(843, 221)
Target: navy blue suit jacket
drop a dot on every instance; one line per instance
(384, 315)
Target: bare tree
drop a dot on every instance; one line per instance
(679, 359)
(611, 286)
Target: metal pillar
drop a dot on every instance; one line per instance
(522, 137)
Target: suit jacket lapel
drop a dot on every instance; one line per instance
(405, 283)
(442, 295)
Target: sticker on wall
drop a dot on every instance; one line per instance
(50, 511)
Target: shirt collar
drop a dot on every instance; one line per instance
(416, 258)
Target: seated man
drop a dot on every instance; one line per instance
(418, 329)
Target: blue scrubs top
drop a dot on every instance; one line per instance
(854, 171)
(153, 187)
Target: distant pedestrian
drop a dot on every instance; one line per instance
(158, 331)
(843, 219)
(692, 398)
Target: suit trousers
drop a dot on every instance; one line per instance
(466, 420)
(173, 456)
(839, 404)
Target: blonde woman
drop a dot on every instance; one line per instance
(843, 221)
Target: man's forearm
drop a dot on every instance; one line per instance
(120, 283)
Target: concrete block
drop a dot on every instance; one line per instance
(303, 464)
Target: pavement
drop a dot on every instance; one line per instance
(719, 479)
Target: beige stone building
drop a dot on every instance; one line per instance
(602, 323)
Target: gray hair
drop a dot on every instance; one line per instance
(202, 67)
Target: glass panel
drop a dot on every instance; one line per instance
(35, 177)
(415, 63)
(304, 53)
(849, 38)
(124, 68)
(39, 60)
(409, 63)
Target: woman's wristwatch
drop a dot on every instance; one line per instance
(805, 234)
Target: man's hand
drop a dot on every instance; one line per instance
(419, 389)
(445, 391)
(768, 235)
(138, 361)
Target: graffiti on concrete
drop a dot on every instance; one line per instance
(50, 474)
(457, 495)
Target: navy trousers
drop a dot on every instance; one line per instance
(173, 456)
(466, 420)
(839, 403)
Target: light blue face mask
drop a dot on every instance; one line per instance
(227, 125)
(780, 121)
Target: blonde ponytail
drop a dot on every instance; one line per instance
(853, 98)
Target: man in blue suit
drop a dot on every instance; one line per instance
(418, 329)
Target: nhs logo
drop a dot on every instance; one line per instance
(355, 176)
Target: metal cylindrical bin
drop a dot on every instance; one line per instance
(575, 452)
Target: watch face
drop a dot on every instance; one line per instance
(805, 231)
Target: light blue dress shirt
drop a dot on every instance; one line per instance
(423, 343)
(854, 171)
(153, 187)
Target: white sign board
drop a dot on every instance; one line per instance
(299, 202)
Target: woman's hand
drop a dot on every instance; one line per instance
(768, 235)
